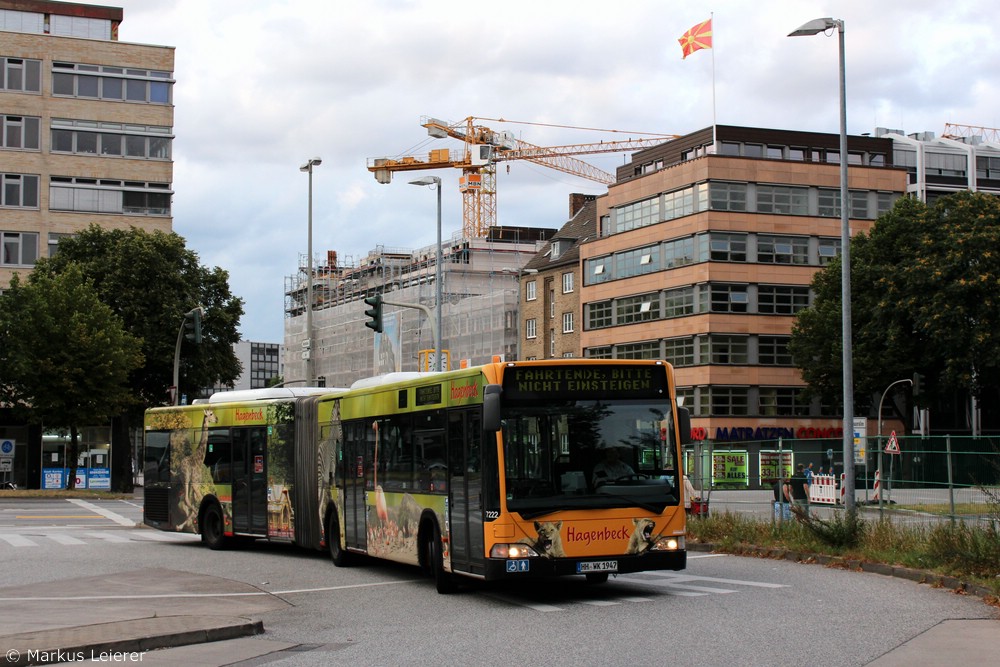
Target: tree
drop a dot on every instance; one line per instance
(924, 297)
(66, 357)
(150, 280)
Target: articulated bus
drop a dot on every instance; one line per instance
(489, 473)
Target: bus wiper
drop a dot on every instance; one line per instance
(649, 507)
(534, 514)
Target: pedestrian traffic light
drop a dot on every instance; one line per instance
(918, 382)
(375, 313)
(192, 325)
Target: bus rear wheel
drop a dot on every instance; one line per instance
(213, 528)
(339, 556)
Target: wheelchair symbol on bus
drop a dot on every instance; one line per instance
(517, 565)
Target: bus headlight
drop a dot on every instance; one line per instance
(512, 551)
(669, 543)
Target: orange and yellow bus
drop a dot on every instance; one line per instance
(511, 470)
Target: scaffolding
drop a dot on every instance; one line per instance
(480, 284)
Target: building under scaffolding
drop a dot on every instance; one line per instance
(479, 288)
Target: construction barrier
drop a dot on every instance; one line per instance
(823, 490)
(878, 484)
(843, 487)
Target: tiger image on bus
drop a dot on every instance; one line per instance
(510, 470)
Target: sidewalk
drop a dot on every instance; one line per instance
(78, 619)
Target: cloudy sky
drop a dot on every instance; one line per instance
(264, 85)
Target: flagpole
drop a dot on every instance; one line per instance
(711, 17)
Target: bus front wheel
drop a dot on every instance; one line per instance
(443, 581)
(213, 528)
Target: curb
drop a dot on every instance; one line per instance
(919, 576)
(123, 637)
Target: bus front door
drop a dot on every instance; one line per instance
(465, 490)
(250, 480)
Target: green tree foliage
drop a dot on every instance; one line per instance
(925, 296)
(151, 280)
(66, 356)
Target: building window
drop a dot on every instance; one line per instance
(781, 402)
(728, 196)
(19, 190)
(568, 355)
(884, 201)
(717, 298)
(567, 282)
(829, 203)
(724, 401)
(54, 239)
(597, 270)
(552, 342)
(530, 293)
(108, 196)
(828, 249)
(530, 328)
(599, 315)
(782, 249)
(552, 303)
(685, 398)
(639, 214)
(603, 352)
(781, 299)
(722, 247)
(637, 262)
(679, 252)
(567, 322)
(685, 202)
(773, 351)
(782, 199)
(723, 350)
(640, 308)
(679, 351)
(111, 83)
(21, 75)
(679, 302)
(650, 350)
(147, 142)
(19, 248)
(20, 132)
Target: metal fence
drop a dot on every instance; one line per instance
(931, 478)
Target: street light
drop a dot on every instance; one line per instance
(308, 167)
(436, 182)
(815, 27)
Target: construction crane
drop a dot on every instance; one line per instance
(484, 147)
(957, 131)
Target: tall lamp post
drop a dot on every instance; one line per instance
(815, 27)
(436, 182)
(308, 167)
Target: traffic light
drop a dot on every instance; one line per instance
(375, 313)
(192, 325)
(918, 382)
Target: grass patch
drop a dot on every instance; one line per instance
(958, 550)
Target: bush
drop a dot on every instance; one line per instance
(845, 530)
(962, 549)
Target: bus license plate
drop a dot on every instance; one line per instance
(597, 566)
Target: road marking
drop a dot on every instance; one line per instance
(59, 516)
(62, 538)
(117, 518)
(689, 587)
(165, 596)
(108, 536)
(17, 541)
(601, 603)
(157, 536)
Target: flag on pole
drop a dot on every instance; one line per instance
(698, 37)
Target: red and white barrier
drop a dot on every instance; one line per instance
(823, 490)
(843, 488)
(878, 485)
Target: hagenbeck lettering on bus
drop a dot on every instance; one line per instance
(602, 535)
(465, 391)
(249, 415)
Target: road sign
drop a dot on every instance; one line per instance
(6, 464)
(7, 448)
(892, 447)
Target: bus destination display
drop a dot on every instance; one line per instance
(584, 382)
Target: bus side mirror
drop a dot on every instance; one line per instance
(491, 408)
(684, 425)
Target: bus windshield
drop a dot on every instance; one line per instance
(588, 454)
